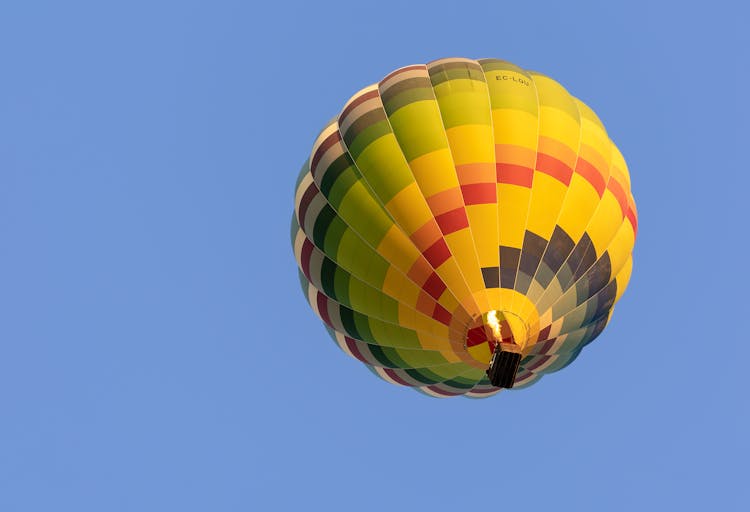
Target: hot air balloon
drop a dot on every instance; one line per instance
(464, 226)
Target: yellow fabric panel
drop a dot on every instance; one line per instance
(397, 249)
(411, 319)
(562, 151)
(429, 325)
(621, 246)
(449, 302)
(494, 298)
(515, 127)
(454, 304)
(605, 222)
(398, 286)
(519, 304)
(623, 278)
(483, 222)
(439, 344)
(513, 203)
(551, 94)
(409, 209)
(460, 94)
(471, 143)
(594, 138)
(480, 352)
(547, 195)
(580, 204)
(559, 126)
(452, 276)
(461, 245)
(434, 172)
(507, 87)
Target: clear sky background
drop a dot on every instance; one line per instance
(156, 352)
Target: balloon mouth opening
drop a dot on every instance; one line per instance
(495, 330)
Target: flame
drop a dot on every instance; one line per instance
(493, 322)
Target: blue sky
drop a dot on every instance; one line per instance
(156, 352)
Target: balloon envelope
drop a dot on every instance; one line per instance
(459, 207)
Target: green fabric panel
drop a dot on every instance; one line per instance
(407, 358)
(366, 296)
(419, 129)
(403, 84)
(338, 189)
(366, 135)
(328, 271)
(512, 89)
(322, 223)
(341, 282)
(408, 96)
(358, 123)
(460, 107)
(393, 335)
(565, 305)
(385, 153)
(364, 214)
(423, 375)
(434, 374)
(332, 174)
(457, 74)
(364, 327)
(572, 341)
(498, 65)
(551, 94)
(418, 358)
(573, 319)
(459, 384)
(387, 357)
(333, 236)
(349, 322)
(361, 259)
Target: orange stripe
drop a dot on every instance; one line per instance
(445, 201)
(592, 175)
(426, 235)
(514, 174)
(619, 193)
(553, 167)
(476, 173)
